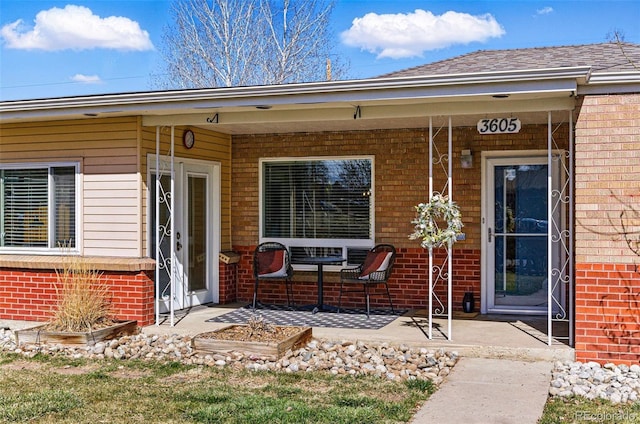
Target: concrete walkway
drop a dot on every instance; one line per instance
(489, 391)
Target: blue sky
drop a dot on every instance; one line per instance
(66, 48)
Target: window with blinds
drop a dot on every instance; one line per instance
(317, 199)
(38, 207)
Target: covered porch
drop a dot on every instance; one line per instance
(485, 336)
(414, 132)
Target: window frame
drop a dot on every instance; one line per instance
(51, 227)
(344, 244)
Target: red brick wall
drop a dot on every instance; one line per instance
(401, 182)
(408, 285)
(607, 204)
(227, 286)
(607, 313)
(31, 295)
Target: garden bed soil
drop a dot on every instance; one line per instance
(244, 339)
(45, 334)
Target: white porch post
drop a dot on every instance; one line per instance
(440, 268)
(430, 270)
(450, 245)
(549, 230)
(173, 231)
(157, 229)
(571, 280)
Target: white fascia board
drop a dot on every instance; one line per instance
(558, 79)
(612, 83)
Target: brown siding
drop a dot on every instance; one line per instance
(210, 146)
(107, 152)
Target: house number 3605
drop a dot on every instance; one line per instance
(499, 126)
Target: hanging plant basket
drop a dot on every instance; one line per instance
(430, 222)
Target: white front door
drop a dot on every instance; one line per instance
(516, 228)
(194, 251)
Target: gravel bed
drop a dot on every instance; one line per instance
(616, 383)
(338, 358)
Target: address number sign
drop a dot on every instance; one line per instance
(499, 126)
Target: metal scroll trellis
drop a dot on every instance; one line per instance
(440, 274)
(560, 235)
(164, 229)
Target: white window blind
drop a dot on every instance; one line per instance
(317, 199)
(64, 204)
(38, 207)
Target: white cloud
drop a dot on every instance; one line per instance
(544, 11)
(86, 79)
(77, 28)
(409, 35)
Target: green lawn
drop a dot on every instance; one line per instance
(579, 410)
(61, 390)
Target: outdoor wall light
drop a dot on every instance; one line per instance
(466, 159)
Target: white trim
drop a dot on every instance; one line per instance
(503, 158)
(397, 90)
(51, 222)
(212, 169)
(345, 243)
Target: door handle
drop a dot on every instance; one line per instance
(490, 234)
(178, 246)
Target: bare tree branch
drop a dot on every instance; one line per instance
(247, 42)
(617, 36)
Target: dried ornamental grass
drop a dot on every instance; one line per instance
(84, 301)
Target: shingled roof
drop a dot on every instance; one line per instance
(604, 57)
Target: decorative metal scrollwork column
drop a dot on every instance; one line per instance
(440, 274)
(164, 219)
(560, 232)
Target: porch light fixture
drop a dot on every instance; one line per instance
(466, 159)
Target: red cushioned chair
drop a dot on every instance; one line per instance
(375, 270)
(272, 262)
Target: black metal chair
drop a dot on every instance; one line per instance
(375, 270)
(272, 262)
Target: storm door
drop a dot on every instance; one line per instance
(188, 260)
(517, 235)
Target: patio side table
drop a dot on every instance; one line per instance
(320, 261)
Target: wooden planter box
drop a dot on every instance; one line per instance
(208, 343)
(37, 335)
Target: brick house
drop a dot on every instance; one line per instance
(539, 147)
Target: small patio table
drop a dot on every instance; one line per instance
(320, 261)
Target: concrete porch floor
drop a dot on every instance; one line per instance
(485, 336)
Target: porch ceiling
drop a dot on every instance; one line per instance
(368, 115)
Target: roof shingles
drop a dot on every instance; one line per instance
(604, 57)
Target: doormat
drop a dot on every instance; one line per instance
(283, 315)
